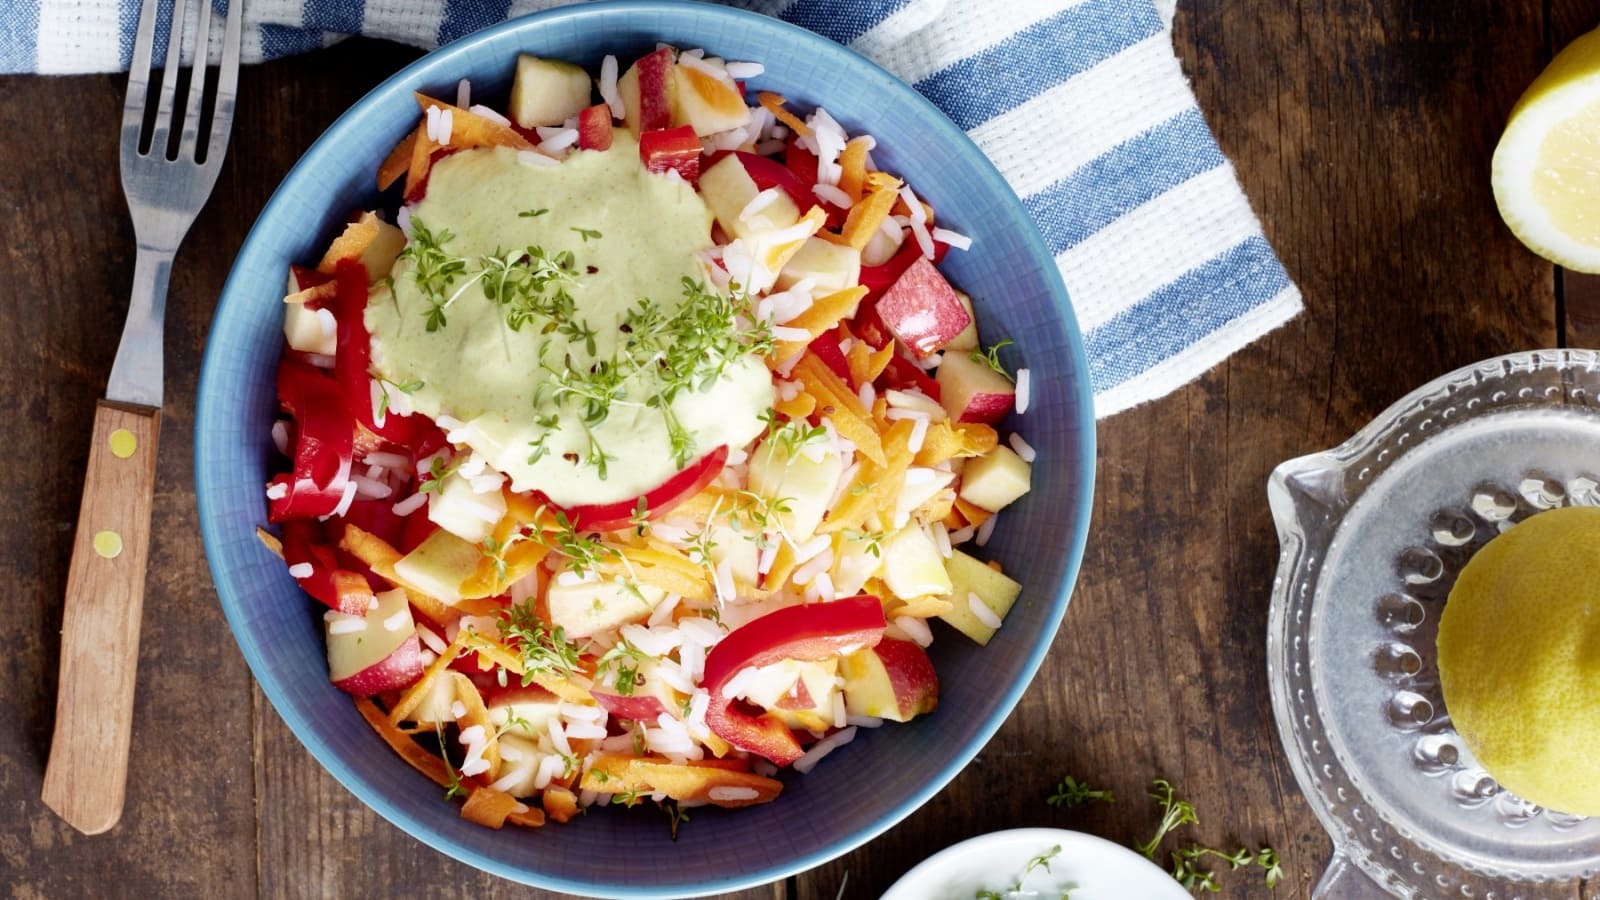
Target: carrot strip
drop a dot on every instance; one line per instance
(353, 242)
(853, 161)
(841, 405)
(322, 293)
(399, 159)
(867, 216)
(380, 558)
(468, 129)
(975, 515)
(948, 440)
(488, 807)
(801, 406)
(409, 750)
(270, 541)
(773, 103)
(560, 804)
(822, 316)
(478, 714)
(421, 160)
(412, 698)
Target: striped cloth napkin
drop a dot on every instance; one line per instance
(1081, 104)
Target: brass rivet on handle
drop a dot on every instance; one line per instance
(123, 443)
(108, 544)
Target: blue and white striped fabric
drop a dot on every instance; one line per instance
(1081, 104)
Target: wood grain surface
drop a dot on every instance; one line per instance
(1362, 132)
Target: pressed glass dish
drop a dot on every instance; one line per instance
(1373, 535)
(862, 789)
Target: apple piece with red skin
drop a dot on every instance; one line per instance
(970, 391)
(594, 128)
(894, 680)
(637, 707)
(647, 92)
(922, 309)
(374, 657)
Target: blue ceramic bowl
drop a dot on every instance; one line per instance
(862, 789)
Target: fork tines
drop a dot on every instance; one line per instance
(156, 126)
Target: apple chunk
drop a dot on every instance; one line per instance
(376, 652)
(831, 267)
(727, 189)
(894, 680)
(972, 392)
(912, 566)
(594, 128)
(590, 607)
(708, 103)
(647, 90)
(547, 92)
(970, 578)
(922, 309)
(995, 479)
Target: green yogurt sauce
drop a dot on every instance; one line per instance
(570, 402)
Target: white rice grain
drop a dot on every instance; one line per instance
(344, 502)
(397, 621)
(863, 721)
(955, 239)
(458, 710)
(432, 641)
(397, 461)
(743, 71)
(810, 570)
(732, 794)
(301, 570)
(734, 687)
(868, 394)
(464, 93)
(431, 120)
(981, 611)
(277, 491)
(941, 539)
(919, 230)
(484, 112)
(832, 194)
(608, 86)
(280, 436)
(347, 625)
(1024, 390)
(915, 628)
(559, 142)
(536, 159)
(961, 535)
(446, 126)
(1023, 448)
(558, 737)
(410, 504)
(794, 335)
(987, 529)
(369, 489)
(663, 611)
(822, 748)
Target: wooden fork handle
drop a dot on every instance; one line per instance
(86, 777)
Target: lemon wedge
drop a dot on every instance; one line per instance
(1519, 659)
(1546, 171)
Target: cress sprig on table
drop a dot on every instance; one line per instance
(687, 349)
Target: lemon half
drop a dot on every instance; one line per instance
(1546, 170)
(1519, 659)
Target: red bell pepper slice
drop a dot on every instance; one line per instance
(805, 633)
(881, 277)
(353, 362)
(826, 347)
(672, 148)
(902, 373)
(657, 502)
(800, 161)
(304, 544)
(324, 446)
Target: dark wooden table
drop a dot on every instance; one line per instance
(1362, 131)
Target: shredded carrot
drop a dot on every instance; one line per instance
(320, 293)
(801, 406)
(399, 159)
(380, 558)
(950, 440)
(270, 541)
(531, 818)
(773, 103)
(662, 566)
(478, 714)
(355, 240)
(419, 757)
(867, 216)
(819, 318)
(874, 484)
(488, 807)
(840, 405)
(853, 162)
(560, 804)
(421, 160)
(975, 515)
(413, 697)
(468, 129)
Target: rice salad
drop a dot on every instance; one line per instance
(635, 454)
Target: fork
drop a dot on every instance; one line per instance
(86, 777)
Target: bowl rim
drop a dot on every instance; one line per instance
(691, 15)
